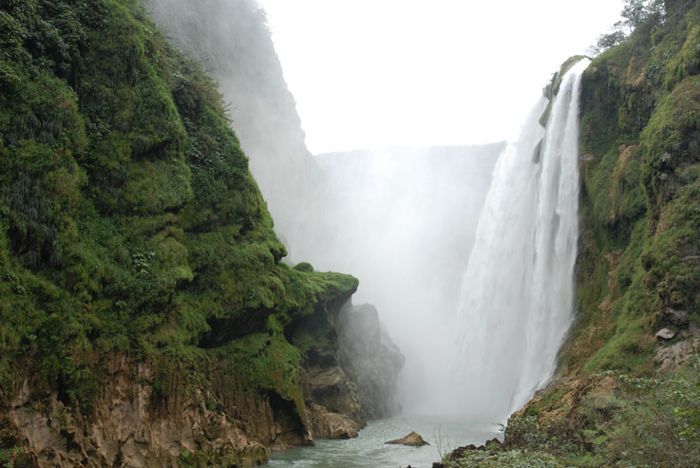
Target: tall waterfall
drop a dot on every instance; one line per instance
(517, 291)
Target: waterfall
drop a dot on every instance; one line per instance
(517, 291)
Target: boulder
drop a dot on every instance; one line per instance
(328, 425)
(412, 440)
(665, 334)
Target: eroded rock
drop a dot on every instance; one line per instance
(350, 366)
(333, 389)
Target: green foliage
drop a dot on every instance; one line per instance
(638, 12)
(507, 459)
(639, 198)
(660, 421)
(618, 419)
(9, 456)
(637, 15)
(252, 456)
(267, 361)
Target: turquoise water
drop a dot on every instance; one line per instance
(369, 450)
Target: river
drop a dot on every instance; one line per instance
(370, 451)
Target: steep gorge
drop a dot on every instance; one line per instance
(147, 317)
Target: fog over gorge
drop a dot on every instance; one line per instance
(404, 220)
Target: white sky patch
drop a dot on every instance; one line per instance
(378, 73)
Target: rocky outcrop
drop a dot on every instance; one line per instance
(335, 390)
(151, 415)
(139, 420)
(670, 357)
(412, 440)
(371, 359)
(665, 334)
(351, 369)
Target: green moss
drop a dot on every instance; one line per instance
(267, 361)
(639, 194)
(129, 220)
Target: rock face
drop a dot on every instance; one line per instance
(329, 425)
(412, 440)
(129, 427)
(371, 358)
(676, 317)
(351, 369)
(232, 41)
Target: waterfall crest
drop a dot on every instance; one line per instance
(517, 291)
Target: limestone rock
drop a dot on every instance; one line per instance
(333, 389)
(329, 425)
(670, 357)
(665, 334)
(131, 428)
(412, 440)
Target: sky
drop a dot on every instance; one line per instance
(380, 73)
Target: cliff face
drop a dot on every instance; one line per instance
(145, 315)
(231, 40)
(628, 387)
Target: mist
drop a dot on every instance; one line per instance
(402, 219)
(404, 222)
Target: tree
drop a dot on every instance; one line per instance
(635, 14)
(638, 12)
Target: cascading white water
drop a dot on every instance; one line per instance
(517, 291)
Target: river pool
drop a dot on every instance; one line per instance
(369, 450)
